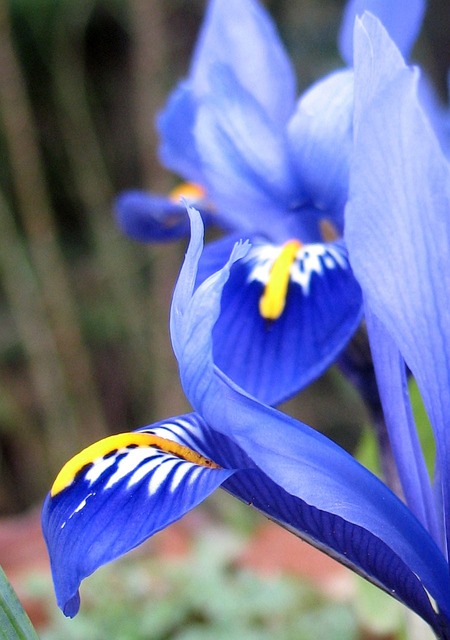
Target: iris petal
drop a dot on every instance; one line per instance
(126, 476)
(351, 545)
(402, 19)
(274, 359)
(392, 384)
(296, 457)
(246, 164)
(175, 126)
(242, 35)
(118, 493)
(320, 138)
(149, 218)
(398, 238)
(232, 31)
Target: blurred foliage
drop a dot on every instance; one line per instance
(367, 451)
(203, 595)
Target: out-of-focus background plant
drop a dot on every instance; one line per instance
(84, 346)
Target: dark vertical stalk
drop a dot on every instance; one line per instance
(356, 364)
(151, 63)
(119, 260)
(30, 318)
(38, 222)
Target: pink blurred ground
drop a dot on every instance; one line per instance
(271, 550)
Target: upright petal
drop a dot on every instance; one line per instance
(297, 458)
(246, 165)
(398, 227)
(320, 139)
(175, 124)
(241, 34)
(402, 19)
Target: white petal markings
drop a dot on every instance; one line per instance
(128, 462)
(310, 259)
(125, 462)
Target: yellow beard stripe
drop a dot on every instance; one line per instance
(188, 190)
(122, 441)
(273, 299)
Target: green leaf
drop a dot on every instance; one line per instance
(423, 425)
(14, 622)
(377, 611)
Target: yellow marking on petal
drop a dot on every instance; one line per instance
(112, 444)
(328, 230)
(273, 299)
(189, 191)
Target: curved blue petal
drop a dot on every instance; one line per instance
(297, 458)
(175, 124)
(131, 491)
(402, 19)
(351, 545)
(320, 139)
(398, 237)
(246, 166)
(233, 31)
(272, 359)
(392, 385)
(150, 218)
(114, 495)
(241, 34)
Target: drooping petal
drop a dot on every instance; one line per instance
(164, 476)
(246, 165)
(241, 34)
(313, 306)
(398, 237)
(114, 495)
(320, 138)
(297, 458)
(149, 218)
(402, 19)
(351, 545)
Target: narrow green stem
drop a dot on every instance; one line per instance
(14, 622)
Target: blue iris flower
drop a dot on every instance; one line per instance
(119, 491)
(272, 168)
